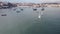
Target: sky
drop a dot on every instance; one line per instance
(32, 1)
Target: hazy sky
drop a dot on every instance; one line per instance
(33, 1)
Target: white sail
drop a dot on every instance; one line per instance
(39, 16)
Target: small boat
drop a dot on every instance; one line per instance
(42, 9)
(18, 11)
(4, 15)
(35, 9)
(21, 9)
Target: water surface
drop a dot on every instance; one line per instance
(27, 21)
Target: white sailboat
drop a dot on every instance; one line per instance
(39, 16)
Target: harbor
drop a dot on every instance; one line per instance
(29, 16)
(22, 20)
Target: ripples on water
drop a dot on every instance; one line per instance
(29, 21)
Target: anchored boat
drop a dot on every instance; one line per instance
(42, 9)
(35, 9)
(18, 11)
(21, 9)
(4, 15)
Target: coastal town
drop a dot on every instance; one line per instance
(10, 5)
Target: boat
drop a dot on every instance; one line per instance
(39, 16)
(5, 7)
(35, 9)
(4, 15)
(18, 11)
(21, 9)
(42, 9)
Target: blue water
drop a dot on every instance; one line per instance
(27, 21)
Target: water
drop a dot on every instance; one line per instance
(27, 21)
